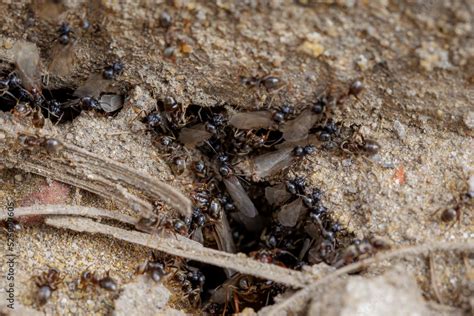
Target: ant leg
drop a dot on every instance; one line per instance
(236, 303)
(344, 147)
(11, 95)
(136, 116)
(59, 120)
(436, 212)
(459, 215)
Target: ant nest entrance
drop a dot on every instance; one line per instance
(245, 198)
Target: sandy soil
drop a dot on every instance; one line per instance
(416, 59)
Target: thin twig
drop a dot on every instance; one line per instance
(297, 301)
(183, 247)
(58, 209)
(434, 280)
(139, 180)
(95, 184)
(92, 172)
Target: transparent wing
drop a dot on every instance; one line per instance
(62, 59)
(224, 239)
(298, 129)
(240, 197)
(27, 61)
(191, 136)
(277, 194)
(270, 163)
(111, 102)
(93, 86)
(289, 213)
(252, 120)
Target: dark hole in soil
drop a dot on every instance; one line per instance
(56, 106)
(270, 241)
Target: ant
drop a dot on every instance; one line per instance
(178, 165)
(162, 224)
(165, 19)
(320, 105)
(362, 249)
(276, 256)
(112, 71)
(282, 114)
(65, 32)
(91, 278)
(451, 213)
(200, 169)
(269, 82)
(22, 110)
(47, 283)
(198, 219)
(166, 116)
(215, 209)
(51, 145)
(155, 119)
(300, 151)
(296, 186)
(355, 88)
(155, 268)
(192, 282)
(358, 143)
(12, 81)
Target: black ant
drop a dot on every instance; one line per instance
(155, 268)
(192, 282)
(296, 186)
(91, 278)
(200, 169)
(455, 212)
(50, 145)
(361, 249)
(215, 209)
(47, 283)
(65, 32)
(358, 143)
(112, 71)
(300, 151)
(269, 82)
(282, 114)
(165, 19)
(162, 224)
(320, 105)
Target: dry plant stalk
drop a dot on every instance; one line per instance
(297, 302)
(183, 247)
(434, 280)
(81, 168)
(58, 209)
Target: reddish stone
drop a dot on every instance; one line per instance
(55, 193)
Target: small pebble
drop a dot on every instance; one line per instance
(347, 163)
(362, 62)
(169, 51)
(313, 49)
(399, 129)
(63, 302)
(471, 186)
(7, 44)
(469, 119)
(186, 48)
